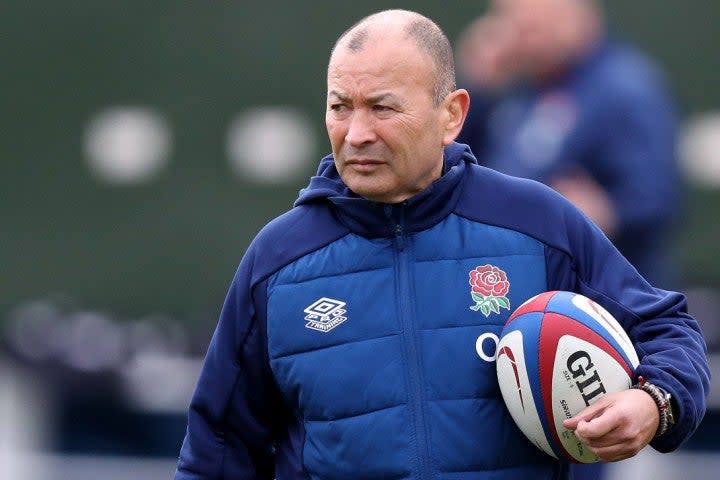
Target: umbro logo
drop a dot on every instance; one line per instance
(325, 314)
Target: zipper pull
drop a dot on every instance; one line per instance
(399, 237)
(400, 226)
(396, 216)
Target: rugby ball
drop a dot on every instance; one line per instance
(558, 353)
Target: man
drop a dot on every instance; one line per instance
(590, 116)
(346, 345)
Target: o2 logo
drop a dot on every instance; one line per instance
(486, 346)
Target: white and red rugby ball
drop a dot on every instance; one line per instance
(558, 353)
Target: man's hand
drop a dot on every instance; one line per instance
(618, 425)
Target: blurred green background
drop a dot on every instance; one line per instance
(171, 244)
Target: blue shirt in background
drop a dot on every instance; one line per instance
(610, 117)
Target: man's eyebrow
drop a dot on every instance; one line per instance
(372, 99)
(338, 95)
(380, 97)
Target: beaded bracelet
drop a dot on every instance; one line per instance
(662, 400)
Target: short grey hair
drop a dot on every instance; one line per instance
(428, 37)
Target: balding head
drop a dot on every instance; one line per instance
(404, 24)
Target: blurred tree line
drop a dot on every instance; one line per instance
(172, 244)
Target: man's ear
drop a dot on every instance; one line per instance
(456, 107)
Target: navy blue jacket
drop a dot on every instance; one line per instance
(347, 346)
(608, 115)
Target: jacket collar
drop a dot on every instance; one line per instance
(373, 219)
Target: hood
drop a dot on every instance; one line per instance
(374, 219)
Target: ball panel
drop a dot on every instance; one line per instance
(537, 303)
(530, 325)
(611, 325)
(586, 311)
(515, 387)
(555, 325)
(565, 404)
(547, 348)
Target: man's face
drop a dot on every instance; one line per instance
(386, 134)
(545, 31)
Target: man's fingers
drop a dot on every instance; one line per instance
(598, 433)
(599, 427)
(587, 414)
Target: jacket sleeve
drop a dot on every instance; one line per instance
(230, 420)
(669, 342)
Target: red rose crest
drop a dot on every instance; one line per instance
(490, 287)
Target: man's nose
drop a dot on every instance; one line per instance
(361, 129)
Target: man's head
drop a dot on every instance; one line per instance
(392, 104)
(549, 33)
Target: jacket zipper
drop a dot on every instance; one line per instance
(405, 294)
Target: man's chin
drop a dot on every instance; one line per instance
(370, 192)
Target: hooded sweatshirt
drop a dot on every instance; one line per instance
(352, 343)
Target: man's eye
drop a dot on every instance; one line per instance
(382, 108)
(337, 107)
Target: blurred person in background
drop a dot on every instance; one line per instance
(555, 99)
(331, 355)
